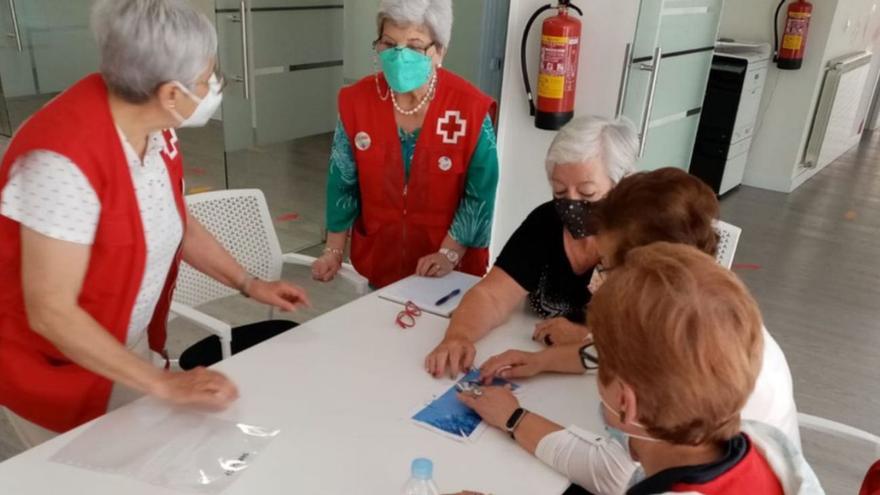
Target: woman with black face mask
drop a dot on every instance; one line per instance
(551, 257)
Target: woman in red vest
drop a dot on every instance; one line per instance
(414, 166)
(93, 227)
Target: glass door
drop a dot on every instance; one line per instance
(284, 59)
(666, 80)
(48, 46)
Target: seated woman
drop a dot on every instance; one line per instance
(550, 258)
(683, 210)
(414, 164)
(681, 346)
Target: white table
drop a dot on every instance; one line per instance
(341, 389)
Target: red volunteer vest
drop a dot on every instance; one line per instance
(752, 475)
(402, 221)
(38, 382)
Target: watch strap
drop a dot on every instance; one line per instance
(514, 421)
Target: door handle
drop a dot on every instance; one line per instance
(649, 104)
(16, 30)
(245, 50)
(624, 80)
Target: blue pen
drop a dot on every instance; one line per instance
(445, 299)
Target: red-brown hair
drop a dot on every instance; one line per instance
(666, 205)
(686, 335)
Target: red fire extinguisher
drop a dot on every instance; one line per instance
(557, 76)
(794, 39)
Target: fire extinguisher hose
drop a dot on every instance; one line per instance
(525, 68)
(525, 42)
(776, 31)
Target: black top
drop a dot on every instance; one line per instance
(535, 258)
(664, 481)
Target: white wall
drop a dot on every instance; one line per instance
(608, 26)
(790, 97)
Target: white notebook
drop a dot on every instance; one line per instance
(425, 292)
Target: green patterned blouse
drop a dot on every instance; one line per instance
(472, 224)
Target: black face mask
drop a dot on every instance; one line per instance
(576, 216)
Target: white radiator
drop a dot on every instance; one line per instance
(836, 125)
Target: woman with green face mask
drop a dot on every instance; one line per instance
(414, 167)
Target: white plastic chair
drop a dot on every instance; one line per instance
(239, 219)
(728, 240)
(839, 430)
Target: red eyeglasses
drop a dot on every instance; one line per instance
(407, 317)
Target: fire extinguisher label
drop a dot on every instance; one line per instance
(558, 57)
(795, 31)
(792, 42)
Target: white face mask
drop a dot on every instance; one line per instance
(206, 107)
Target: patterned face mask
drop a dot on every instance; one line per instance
(576, 216)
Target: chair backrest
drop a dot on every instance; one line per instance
(239, 219)
(728, 239)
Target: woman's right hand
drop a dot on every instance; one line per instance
(325, 268)
(513, 364)
(200, 387)
(453, 355)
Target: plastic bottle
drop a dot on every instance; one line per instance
(421, 481)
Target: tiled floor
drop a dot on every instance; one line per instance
(810, 257)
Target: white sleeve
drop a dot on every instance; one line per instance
(595, 463)
(49, 194)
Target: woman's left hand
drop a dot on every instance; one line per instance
(434, 265)
(560, 331)
(284, 296)
(495, 405)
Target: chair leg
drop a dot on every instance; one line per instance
(226, 346)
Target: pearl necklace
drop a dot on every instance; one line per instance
(432, 87)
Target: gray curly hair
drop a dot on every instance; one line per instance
(145, 43)
(613, 142)
(436, 15)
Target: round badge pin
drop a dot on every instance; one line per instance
(445, 164)
(363, 141)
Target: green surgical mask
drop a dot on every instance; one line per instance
(405, 69)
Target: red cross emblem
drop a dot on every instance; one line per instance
(170, 143)
(452, 127)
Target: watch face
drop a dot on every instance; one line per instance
(451, 255)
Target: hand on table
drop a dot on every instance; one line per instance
(325, 268)
(560, 331)
(434, 265)
(284, 296)
(513, 364)
(200, 387)
(453, 355)
(495, 404)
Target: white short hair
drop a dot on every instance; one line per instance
(145, 43)
(436, 15)
(613, 143)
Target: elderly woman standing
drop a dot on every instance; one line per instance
(414, 166)
(550, 258)
(94, 227)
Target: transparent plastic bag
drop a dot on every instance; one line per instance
(180, 450)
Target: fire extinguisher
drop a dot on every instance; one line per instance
(794, 39)
(557, 76)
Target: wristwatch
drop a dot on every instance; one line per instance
(514, 421)
(451, 254)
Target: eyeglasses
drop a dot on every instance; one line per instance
(382, 45)
(589, 358)
(407, 317)
(602, 272)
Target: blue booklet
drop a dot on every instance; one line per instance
(448, 416)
